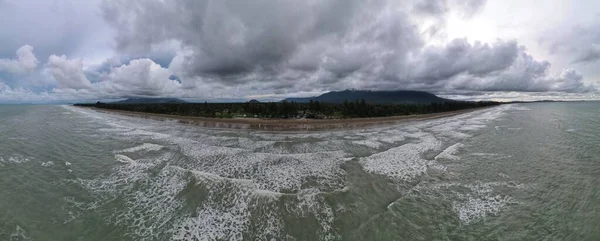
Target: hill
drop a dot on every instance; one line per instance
(375, 97)
(150, 101)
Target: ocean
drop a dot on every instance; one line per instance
(513, 172)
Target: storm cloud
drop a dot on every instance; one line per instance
(325, 44)
(232, 48)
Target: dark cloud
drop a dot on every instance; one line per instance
(233, 48)
(234, 42)
(229, 37)
(335, 44)
(461, 57)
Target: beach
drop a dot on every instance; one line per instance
(287, 124)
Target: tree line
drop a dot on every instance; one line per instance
(285, 109)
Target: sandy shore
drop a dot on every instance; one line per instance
(287, 124)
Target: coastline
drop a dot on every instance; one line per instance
(287, 124)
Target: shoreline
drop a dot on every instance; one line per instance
(287, 124)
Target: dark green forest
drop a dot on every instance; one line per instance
(287, 110)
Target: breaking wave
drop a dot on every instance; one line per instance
(204, 184)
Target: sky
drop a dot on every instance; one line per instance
(70, 50)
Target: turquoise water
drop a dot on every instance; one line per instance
(514, 172)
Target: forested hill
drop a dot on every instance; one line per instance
(332, 105)
(151, 101)
(285, 110)
(374, 97)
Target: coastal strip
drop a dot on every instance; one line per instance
(287, 124)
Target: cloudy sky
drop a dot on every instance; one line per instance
(66, 50)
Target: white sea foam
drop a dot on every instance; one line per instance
(406, 162)
(450, 152)
(47, 164)
(151, 202)
(473, 202)
(273, 165)
(19, 234)
(226, 213)
(392, 137)
(14, 159)
(244, 174)
(289, 147)
(403, 162)
(123, 158)
(275, 172)
(311, 201)
(144, 147)
(369, 143)
(157, 203)
(475, 209)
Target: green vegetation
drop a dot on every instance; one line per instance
(285, 109)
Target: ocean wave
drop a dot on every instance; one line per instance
(144, 147)
(242, 203)
(474, 209)
(224, 214)
(14, 159)
(123, 158)
(275, 172)
(47, 164)
(369, 143)
(450, 152)
(233, 185)
(472, 202)
(403, 162)
(19, 234)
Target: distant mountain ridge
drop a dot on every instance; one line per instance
(151, 101)
(375, 97)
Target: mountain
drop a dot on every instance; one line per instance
(150, 101)
(376, 97)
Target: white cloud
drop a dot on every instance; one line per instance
(24, 63)
(141, 77)
(68, 73)
(22, 95)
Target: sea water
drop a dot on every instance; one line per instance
(513, 172)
